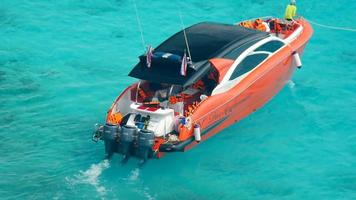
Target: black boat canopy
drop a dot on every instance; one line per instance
(206, 40)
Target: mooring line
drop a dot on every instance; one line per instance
(332, 27)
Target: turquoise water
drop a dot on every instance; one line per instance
(62, 63)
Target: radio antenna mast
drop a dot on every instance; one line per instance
(139, 25)
(185, 38)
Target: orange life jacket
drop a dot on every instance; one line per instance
(246, 24)
(277, 26)
(259, 25)
(173, 100)
(142, 94)
(115, 118)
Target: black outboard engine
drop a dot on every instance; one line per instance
(127, 138)
(111, 133)
(145, 142)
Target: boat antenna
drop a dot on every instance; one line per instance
(139, 25)
(185, 38)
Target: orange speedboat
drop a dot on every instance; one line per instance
(200, 81)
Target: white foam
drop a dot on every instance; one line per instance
(133, 178)
(91, 176)
(147, 194)
(291, 84)
(134, 175)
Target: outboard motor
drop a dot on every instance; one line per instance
(110, 135)
(128, 135)
(145, 142)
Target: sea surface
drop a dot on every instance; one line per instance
(62, 63)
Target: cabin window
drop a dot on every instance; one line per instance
(238, 51)
(249, 63)
(271, 46)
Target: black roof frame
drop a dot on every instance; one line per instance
(201, 66)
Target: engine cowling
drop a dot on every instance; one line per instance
(127, 138)
(145, 143)
(110, 135)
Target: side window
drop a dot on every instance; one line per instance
(271, 46)
(236, 52)
(249, 63)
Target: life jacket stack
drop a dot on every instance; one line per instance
(247, 24)
(275, 26)
(258, 24)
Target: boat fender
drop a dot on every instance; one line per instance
(197, 133)
(297, 60)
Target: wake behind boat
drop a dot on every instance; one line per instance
(187, 92)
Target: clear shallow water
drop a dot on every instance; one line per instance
(62, 63)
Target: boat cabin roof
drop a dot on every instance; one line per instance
(206, 40)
